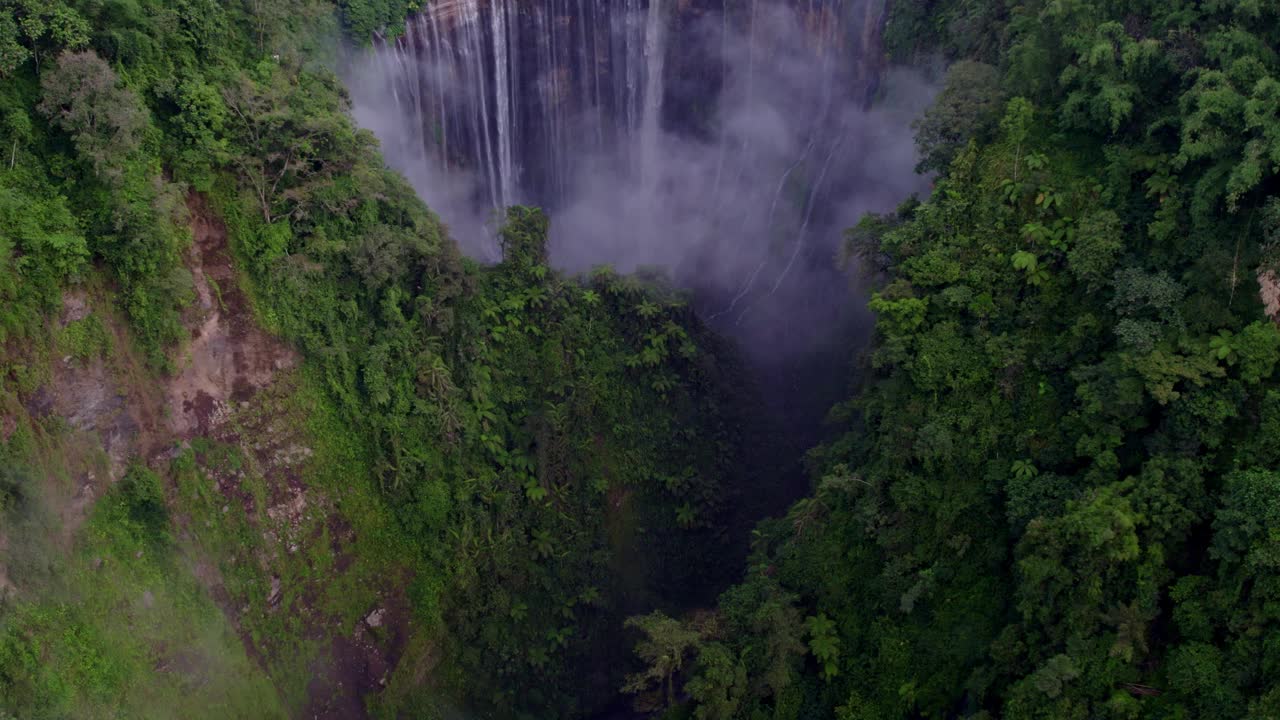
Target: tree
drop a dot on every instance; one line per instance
(824, 644)
(1233, 127)
(1098, 242)
(200, 125)
(663, 649)
(967, 109)
(82, 96)
(384, 255)
(12, 52)
(524, 238)
(30, 28)
(720, 683)
(293, 139)
(1247, 527)
(276, 23)
(19, 127)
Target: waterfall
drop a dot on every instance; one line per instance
(726, 140)
(517, 91)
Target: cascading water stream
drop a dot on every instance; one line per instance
(655, 54)
(505, 172)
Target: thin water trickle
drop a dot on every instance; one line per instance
(655, 55)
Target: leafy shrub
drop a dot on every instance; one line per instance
(141, 496)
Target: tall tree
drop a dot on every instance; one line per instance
(83, 96)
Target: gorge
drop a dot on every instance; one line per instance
(603, 359)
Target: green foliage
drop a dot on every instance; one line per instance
(366, 18)
(824, 644)
(29, 528)
(918, 29)
(1055, 499)
(85, 339)
(50, 247)
(663, 648)
(101, 182)
(142, 499)
(199, 127)
(965, 110)
(1099, 240)
(32, 28)
(105, 121)
(117, 626)
(1063, 438)
(522, 424)
(524, 239)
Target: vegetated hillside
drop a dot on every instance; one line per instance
(1059, 491)
(269, 445)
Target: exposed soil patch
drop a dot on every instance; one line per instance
(101, 409)
(360, 664)
(230, 359)
(1269, 291)
(91, 401)
(232, 387)
(341, 537)
(6, 586)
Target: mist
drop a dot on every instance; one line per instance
(738, 188)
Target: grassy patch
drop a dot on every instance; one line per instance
(286, 501)
(120, 628)
(85, 339)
